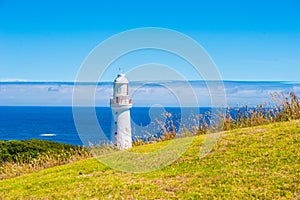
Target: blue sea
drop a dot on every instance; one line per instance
(57, 124)
(36, 109)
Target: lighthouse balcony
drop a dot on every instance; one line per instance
(121, 101)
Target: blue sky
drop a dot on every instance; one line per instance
(248, 40)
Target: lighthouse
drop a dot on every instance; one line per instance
(120, 104)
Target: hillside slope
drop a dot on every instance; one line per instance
(254, 163)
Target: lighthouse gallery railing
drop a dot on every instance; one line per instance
(121, 101)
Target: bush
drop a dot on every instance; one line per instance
(19, 157)
(25, 150)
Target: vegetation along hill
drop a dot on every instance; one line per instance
(260, 162)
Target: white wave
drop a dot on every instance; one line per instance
(48, 135)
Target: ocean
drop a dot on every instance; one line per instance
(43, 110)
(57, 124)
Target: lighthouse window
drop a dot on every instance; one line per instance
(116, 113)
(116, 133)
(115, 122)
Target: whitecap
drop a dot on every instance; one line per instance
(47, 135)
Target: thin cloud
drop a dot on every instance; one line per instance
(60, 94)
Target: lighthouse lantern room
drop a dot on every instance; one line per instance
(120, 104)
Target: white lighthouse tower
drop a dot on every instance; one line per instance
(120, 105)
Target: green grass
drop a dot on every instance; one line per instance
(20, 157)
(26, 150)
(260, 162)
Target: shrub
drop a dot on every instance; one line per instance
(18, 157)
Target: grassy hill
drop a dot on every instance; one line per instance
(252, 163)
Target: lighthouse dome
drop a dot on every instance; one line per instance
(121, 79)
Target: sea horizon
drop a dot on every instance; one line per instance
(144, 94)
